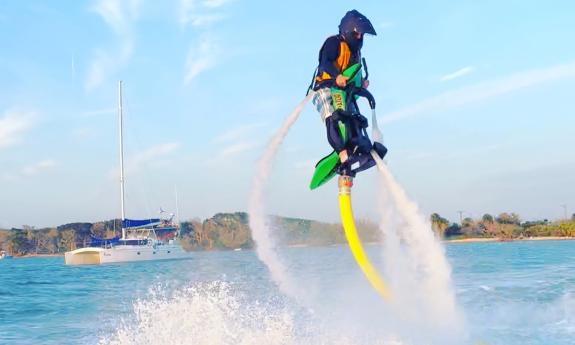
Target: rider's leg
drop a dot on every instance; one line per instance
(334, 136)
(324, 104)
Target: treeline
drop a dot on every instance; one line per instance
(222, 231)
(231, 231)
(226, 231)
(28, 240)
(506, 226)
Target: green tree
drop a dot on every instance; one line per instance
(453, 230)
(506, 218)
(506, 231)
(53, 236)
(488, 225)
(487, 218)
(67, 240)
(439, 224)
(19, 242)
(470, 227)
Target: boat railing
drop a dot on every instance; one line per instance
(140, 236)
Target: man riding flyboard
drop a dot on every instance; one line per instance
(338, 83)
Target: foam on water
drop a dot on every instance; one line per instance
(501, 321)
(206, 313)
(215, 313)
(531, 299)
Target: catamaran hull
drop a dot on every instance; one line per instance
(125, 253)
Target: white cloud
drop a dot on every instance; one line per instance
(97, 112)
(29, 170)
(308, 164)
(484, 91)
(201, 58)
(237, 133)
(206, 19)
(452, 154)
(13, 125)
(39, 167)
(149, 156)
(230, 151)
(265, 106)
(457, 74)
(237, 148)
(215, 3)
(206, 53)
(201, 13)
(106, 64)
(119, 16)
(386, 25)
(187, 8)
(153, 153)
(82, 133)
(9, 177)
(235, 141)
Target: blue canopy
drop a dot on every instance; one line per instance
(101, 242)
(136, 223)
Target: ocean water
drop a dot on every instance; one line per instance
(514, 293)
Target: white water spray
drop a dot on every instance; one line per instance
(425, 250)
(416, 262)
(265, 244)
(204, 313)
(424, 267)
(219, 313)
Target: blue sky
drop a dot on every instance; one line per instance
(475, 101)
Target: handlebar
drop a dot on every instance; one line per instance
(352, 90)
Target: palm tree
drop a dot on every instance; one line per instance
(438, 224)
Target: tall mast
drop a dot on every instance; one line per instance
(121, 127)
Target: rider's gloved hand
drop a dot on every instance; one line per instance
(343, 156)
(365, 83)
(341, 80)
(362, 121)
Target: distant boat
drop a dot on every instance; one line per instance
(141, 240)
(4, 255)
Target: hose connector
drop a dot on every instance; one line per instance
(344, 184)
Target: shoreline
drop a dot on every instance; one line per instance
(455, 241)
(498, 239)
(28, 256)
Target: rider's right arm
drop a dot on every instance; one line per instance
(329, 54)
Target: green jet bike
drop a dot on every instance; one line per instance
(352, 127)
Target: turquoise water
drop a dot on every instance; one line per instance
(510, 293)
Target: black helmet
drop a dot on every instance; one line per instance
(353, 21)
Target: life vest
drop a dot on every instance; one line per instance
(341, 63)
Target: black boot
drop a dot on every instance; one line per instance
(380, 149)
(344, 169)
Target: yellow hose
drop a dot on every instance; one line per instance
(355, 245)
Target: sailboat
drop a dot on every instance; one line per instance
(141, 240)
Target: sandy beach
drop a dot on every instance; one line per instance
(497, 239)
